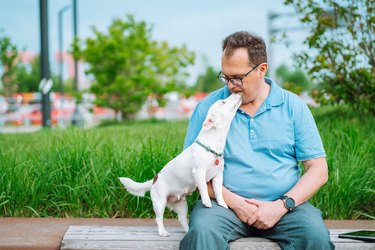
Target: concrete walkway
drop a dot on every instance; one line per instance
(47, 233)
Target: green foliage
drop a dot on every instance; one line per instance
(8, 61)
(73, 173)
(28, 80)
(208, 82)
(348, 139)
(128, 65)
(341, 55)
(295, 81)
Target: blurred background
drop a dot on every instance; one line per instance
(133, 71)
(79, 62)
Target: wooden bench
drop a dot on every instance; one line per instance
(146, 237)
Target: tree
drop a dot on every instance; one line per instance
(128, 65)
(28, 78)
(295, 81)
(8, 61)
(341, 56)
(208, 82)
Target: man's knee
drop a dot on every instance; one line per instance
(316, 236)
(206, 229)
(202, 223)
(305, 229)
(202, 227)
(202, 235)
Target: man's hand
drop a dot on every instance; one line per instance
(268, 213)
(244, 210)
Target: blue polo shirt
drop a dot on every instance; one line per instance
(262, 152)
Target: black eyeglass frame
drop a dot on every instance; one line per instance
(225, 80)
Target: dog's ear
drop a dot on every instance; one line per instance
(211, 121)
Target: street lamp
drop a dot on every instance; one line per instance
(44, 64)
(75, 35)
(61, 51)
(271, 32)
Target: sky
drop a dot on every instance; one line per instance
(199, 24)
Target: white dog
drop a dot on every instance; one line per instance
(194, 167)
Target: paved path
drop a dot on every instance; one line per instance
(19, 129)
(46, 233)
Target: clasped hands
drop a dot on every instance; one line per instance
(259, 214)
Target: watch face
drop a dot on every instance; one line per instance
(289, 202)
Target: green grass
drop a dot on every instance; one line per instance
(73, 173)
(349, 141)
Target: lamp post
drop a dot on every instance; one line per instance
(61, 51)
(44, 73)
(75, 35)
(272, 31)
(61, 48)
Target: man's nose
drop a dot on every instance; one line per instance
(231, 86)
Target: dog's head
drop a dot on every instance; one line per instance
(221, 113)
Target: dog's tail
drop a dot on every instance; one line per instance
(136, 188)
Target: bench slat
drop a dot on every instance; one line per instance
(146, 237)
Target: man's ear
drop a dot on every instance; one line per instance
(211, 121)
(263, 70)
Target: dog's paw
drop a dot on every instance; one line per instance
(163, 233)
(207, 203)
(222, 203)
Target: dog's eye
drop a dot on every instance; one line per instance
(222, 102)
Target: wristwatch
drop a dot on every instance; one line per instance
(289, 202)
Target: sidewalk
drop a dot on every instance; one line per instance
(47, 233)
(19, 129)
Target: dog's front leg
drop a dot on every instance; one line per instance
(200, 179)
(217, 184)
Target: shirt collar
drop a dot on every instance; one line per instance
(275, 98)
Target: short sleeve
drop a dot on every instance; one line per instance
(307, 139)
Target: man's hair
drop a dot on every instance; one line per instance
(255, 45)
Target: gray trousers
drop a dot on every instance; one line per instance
(213, 228)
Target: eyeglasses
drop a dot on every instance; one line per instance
(234, 80)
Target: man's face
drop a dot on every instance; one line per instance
(237, 65)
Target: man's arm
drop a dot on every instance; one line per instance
(316, 175)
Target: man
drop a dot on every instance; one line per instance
(272, 131)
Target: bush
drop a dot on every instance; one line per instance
(341, 50)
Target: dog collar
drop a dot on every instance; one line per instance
(207, 148)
